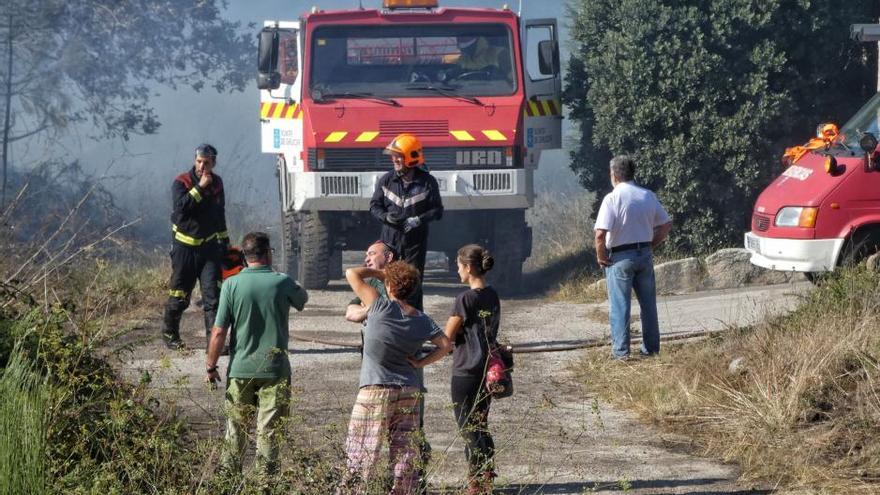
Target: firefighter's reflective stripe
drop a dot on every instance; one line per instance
(177, 293)
(366, 136)
(196, 194)
(194, 241)
(403, 203)
(335, 136)
(280, 111)
(494, 135)
(462, 135)
(223, 234)
(542, 108)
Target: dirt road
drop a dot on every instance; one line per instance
(553, 436)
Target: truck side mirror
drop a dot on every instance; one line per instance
(548, 57)
(868, 144)
(268, 76)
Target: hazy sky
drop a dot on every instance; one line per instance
(231, 120)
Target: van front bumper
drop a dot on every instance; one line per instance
(798, 255)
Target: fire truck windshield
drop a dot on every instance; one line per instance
(867, 119)
(405, 61)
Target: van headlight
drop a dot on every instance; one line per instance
(797, 216)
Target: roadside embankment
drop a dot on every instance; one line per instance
(793, 399)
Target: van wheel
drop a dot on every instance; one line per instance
(861, 245)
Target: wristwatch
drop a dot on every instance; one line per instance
(211, 369)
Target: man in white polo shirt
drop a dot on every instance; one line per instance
(630, 223)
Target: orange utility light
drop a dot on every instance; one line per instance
(410, 4)
(807, 219)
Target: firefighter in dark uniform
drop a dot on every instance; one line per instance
(198, 224)
(405, 200)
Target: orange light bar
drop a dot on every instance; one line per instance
(410, 4)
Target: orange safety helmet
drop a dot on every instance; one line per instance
(409, 146)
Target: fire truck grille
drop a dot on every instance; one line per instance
(762, 223)
(362, 159)
(435, 128)
(340, 186)
(493, 181)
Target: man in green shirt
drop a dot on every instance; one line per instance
(256, 302)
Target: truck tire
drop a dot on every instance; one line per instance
(314, 254)
(862, 244)
(452, 262)
(305, 246)
(509, 251)
(286, 263)
(334, 265)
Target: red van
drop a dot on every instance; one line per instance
(824, 210)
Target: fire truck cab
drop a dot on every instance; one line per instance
(479, 87)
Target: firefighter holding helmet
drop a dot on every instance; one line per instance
(406, 199)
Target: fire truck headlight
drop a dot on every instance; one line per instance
(321, 155)
(797, 216)
(508, 156)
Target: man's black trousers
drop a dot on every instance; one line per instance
(411, 247)
(189, 264)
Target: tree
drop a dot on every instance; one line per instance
(98, 62)
(705, 94)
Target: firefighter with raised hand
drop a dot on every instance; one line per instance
(198, 224)
(406, 199)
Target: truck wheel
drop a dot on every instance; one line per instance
(509, 251)
(313, 251)
(452, 262)
(286, 263)
(304, 253)
(334, 265)
(861, 245)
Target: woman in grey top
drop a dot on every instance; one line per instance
(387, 403)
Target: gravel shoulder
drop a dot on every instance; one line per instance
(553, 436)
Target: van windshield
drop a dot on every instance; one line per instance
(867, 119)
(413, 60)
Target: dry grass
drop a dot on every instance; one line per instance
(802, 410)
(581, 288)
(561, 226)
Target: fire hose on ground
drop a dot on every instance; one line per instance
(527, 348)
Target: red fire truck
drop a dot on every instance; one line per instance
(824, 210)
(337, 86)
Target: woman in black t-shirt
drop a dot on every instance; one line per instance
(473, 327)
